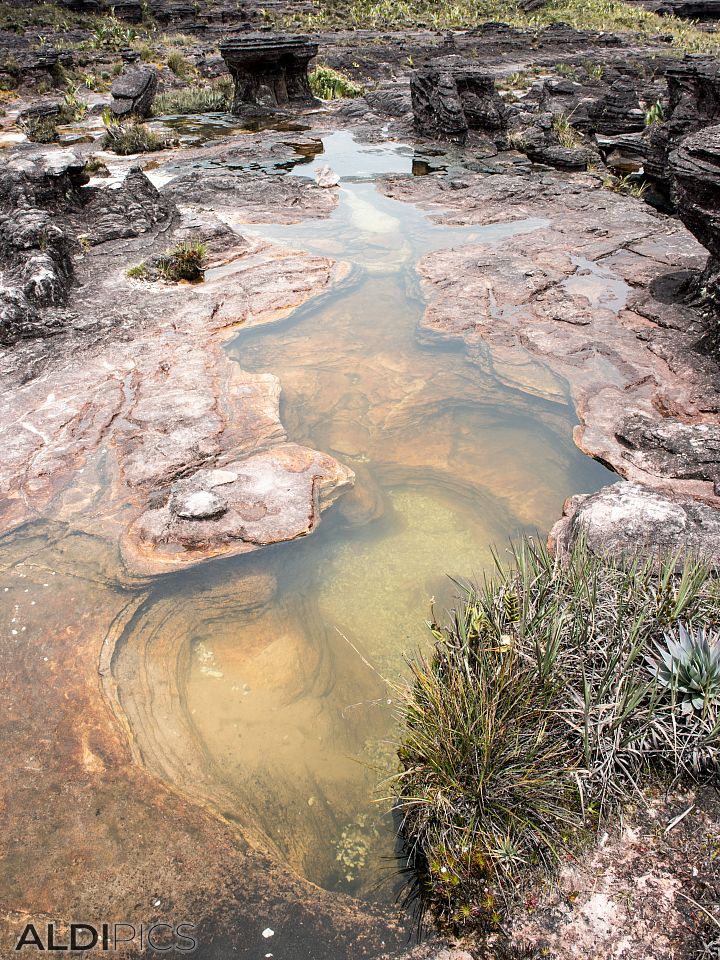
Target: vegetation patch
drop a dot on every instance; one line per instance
(329, 84)
(130, 136)
(558, 691)
(184, 262)
(606, 15)
(215, 97)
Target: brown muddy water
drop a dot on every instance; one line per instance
(259, 683)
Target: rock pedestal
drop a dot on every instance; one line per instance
(270, 73)
(134, 92)
(451, 97)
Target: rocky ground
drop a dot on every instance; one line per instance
(134, 447)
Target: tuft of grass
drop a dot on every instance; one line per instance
(329, 84)
(566, 134)
(627, 185)
(112, 33)
(186, 261)
(212, 98)
(139, 272)
(179, 64)
(130, 136)
(537, 716)
(606, 15)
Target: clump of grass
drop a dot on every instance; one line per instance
(537, 716)
(96, 167)
(111, 33)
(627, 185)
(40, 129)
(329, 84)
(186, 261)
(139, 272)
(130, 136)
(567, 135)
(212, 98)
(179, 64)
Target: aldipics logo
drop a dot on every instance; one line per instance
(163, 938)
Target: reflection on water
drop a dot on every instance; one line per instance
(284, 699)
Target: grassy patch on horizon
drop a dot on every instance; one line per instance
(329, 84)
(605, 15)
(559, 689)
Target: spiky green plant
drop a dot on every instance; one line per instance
(211, 98)
(654, 114)
(538, 712)
(329, 84)
(186, 261)
(687, 665)
(130, 136)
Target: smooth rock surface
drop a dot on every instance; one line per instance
(627, 519)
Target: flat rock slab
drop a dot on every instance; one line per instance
(270, 497)
(627, 519)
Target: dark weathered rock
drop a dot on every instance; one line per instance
(618, 111)
(129, 211)
(270, 72)
(689, 9)
(624, 153)
(695, 171)
(694, 103)
(451, 97)
(134, 92)
(627, 519)
(671, 448)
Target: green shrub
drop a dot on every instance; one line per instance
(186, 261)
(40, 129)
(328, 84)
(538, 713)
(213, 98)
(139, 272)
(112, 33)
(130, 136)
(179, 64)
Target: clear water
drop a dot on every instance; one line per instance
(288, 708)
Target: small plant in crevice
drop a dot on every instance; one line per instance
(329, 84)
(655, 114)
(126, 137)
(184, 262)
(566, 134)
(627, 184)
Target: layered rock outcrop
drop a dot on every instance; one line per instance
(452, 97)
(270, 72)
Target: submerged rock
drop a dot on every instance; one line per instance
(270, 72)
(627, 519)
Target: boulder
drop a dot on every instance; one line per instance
(618, 111)
(627, 519)
(133, 92)
(270, 72)
(451, 97)
(127, 211)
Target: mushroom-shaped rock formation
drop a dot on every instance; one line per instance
(270, 72)
(451, 97)
(269, 497)
(133, 92)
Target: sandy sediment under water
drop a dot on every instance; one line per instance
(269, 700)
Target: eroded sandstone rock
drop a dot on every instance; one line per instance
(133, 92)
(695, 171)
(451, 97)
(629, 519)
(269, 497)
(270, 72)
